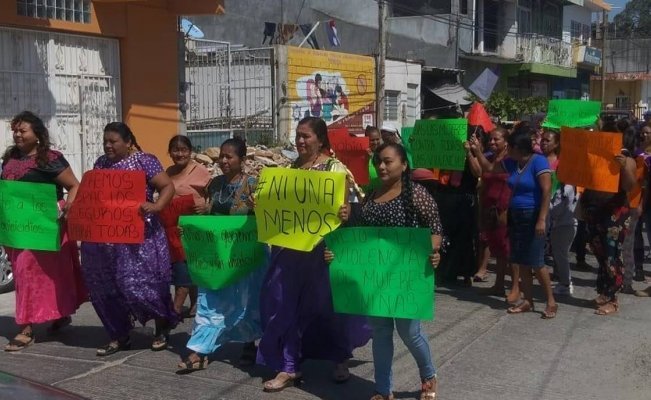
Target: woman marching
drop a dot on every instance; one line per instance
(530, 181)
(399, 203)
(189, 178)
(49, 286)
(130, 282)
(230, 314)
(298, 319)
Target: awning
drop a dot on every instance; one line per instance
(577, 2)
(452, 92)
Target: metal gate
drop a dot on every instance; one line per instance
(229, 92)
(72, 82)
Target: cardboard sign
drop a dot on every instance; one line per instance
(107, 207)
(28, 216)
(382, 272)
(635, 194)
(588, 159)
(571, 113)
(352, 151)
(221, 250)
(438, 143)
(406, 134)
(182, 205)
(296, 208)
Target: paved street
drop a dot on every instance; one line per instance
(481, 353)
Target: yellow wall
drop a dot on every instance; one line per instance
(147, 31)
(616, 88)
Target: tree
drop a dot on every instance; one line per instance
(634, 20)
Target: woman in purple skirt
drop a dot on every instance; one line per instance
(129, 282)
(298, 319)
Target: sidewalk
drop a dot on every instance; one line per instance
(480, 352)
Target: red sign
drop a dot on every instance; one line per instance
(107, 207)
(182, 205)
(352, 151)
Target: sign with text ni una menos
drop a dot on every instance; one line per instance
(382, 272)
(29, 216)
(438, 143)
(107, 207)
(295, 208)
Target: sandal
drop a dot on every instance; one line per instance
(281, 381)
(20, 341)
(249, 352)
(428, 390)
(187, 366)
(113, 347)
(58, 325)
(513, 299)
(609, 308)
(341, 373)
(550, 312)
(480, 278)
(160, 342)
(523, 307)
(601, 300)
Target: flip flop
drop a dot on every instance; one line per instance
(607, 309)
(550, 312)
(480, 278)
(19, 342)
(187, 366)
(523, 307)
(281, 381)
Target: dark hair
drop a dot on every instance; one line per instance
(521, 140)
(179, 139)
(319, 128)
(407, 192)
(557, 138)
(609, 124)
(623, 124)
(238, 144)
(41, 132)
(124, 131)
(369, 129)
(629, 140)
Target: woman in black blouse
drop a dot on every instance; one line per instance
(399, 202)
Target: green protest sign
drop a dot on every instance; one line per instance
(221, 250)
(438, 143)
(29, 216)
(382, 272)
(406, 134)
(572, 113)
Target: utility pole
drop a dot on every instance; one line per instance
(604, 34)
(381, 61)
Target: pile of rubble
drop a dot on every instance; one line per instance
(257, 158)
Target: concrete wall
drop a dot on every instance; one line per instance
(399, 77)
(574, 13)
(631, 55)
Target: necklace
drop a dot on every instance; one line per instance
(231, 190)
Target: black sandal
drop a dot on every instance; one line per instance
(113, 347)
(160, 342)
(58, 325)
(187, 366)
(16, 345)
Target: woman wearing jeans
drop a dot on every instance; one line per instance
(399, 202)
(530, 181)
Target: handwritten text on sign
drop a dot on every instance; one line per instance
(352, 151)
(296, 208)
(382, 272)
(28, 216)
(438, 143)
(221, 250)
(106, 209)
(588, 159)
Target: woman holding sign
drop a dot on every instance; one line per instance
(298, 319)
(49, 286)
(230, 314)
(530, 182)
(399, 203)
(190, 179)
(130, 282)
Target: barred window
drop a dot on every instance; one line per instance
(391, 102)
(65, 10)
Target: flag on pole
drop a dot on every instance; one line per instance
(331, 30)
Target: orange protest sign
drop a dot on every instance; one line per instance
(635, 195)
(588, 159)
(107, 207)
(352, 151)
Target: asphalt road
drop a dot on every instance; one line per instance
(480, 352)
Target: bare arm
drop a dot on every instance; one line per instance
(545, 182)
(165, 189)
(627, 177)
(69, 181)
(473, 162)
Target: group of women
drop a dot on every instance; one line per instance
(286, 303)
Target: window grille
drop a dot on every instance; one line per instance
(64, 10)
